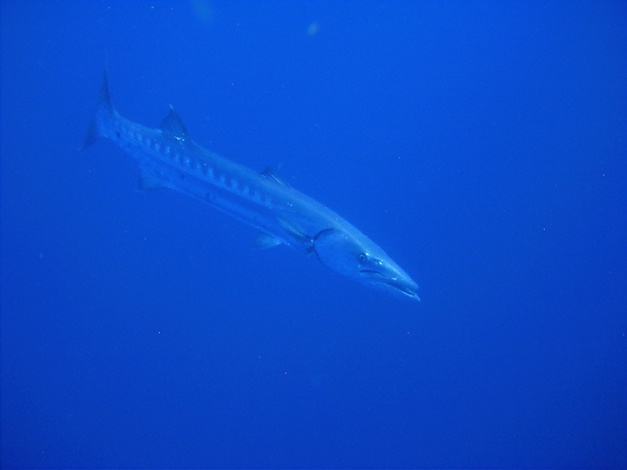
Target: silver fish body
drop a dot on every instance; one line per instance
(168, 157)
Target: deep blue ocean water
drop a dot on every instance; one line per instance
(482, 144)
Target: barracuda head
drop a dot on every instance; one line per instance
(357, 257)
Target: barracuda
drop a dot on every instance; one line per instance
(168, 158)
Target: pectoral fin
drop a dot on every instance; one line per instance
(265, 240)
(294, 231)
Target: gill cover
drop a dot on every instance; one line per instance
(361, 260)
(340, 252)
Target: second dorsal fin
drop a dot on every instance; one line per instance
(173, 126)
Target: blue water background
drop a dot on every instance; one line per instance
(482, 144)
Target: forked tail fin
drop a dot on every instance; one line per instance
(104, 111)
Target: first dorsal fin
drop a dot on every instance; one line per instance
(173, 126)
(272, 175)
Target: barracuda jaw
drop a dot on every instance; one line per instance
(403, 287)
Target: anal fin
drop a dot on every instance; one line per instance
(148, 180)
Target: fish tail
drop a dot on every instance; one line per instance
(104, 112)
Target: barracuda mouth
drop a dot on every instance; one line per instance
(405, 289)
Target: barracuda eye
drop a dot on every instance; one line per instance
(369, 264)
